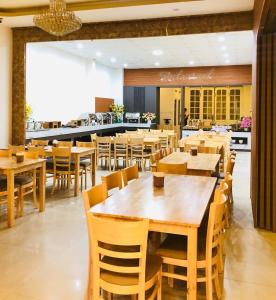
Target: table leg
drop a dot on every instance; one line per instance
(10, 183)
(192, 259)
(93, 168)
(42, 174)
(77, 170)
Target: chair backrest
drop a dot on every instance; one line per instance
(32, 154)
(221, 190)
(86, 144)
(169, 151)
(180, 169)
(164, 140)
(62, 158)
(153, 158)
(39, 149)
(5, 153)
(94, 195)
(93, 137)
(215, 226)
(130, 173)
(229, 181)
(65, 144)
(130, 242)
(120, 146)
(210, 150)
(113, 180)
(40, 142)
(15, 149)
(156, 131)
(230, 165)
(136, 146)
(104, 145)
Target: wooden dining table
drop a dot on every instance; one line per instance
(178, 208)
(9, 167)
(203, 164)
(78, 153)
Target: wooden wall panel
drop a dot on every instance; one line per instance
(221, 75)
(103, 104)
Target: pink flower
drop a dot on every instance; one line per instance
(246, 122)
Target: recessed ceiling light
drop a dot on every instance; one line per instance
(227, 61)
(225, 54)
(79, 46)
(176, 9)
(125, 65)
(223, 48)
(221, 38)
(113, 59)
(157, 63)
(191, 62)
(157, 52)
(99, 53)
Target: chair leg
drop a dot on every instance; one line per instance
(54, 184)
(69, 181)
(21, 201)
(159, 292)
(209, 287)
(217, 284)
(170, 280)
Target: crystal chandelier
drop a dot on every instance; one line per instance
(57, 20)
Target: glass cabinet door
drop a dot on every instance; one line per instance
(221, 104)
(195, 104)
(208, 104)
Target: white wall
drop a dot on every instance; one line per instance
(5, 85)
(62, 86)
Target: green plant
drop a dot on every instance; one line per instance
(118, 110)
(28, 111)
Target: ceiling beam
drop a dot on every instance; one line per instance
(85, 5)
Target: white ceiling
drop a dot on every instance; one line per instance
(140, 12)
(213, 49)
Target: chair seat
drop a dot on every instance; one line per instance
(22, 179)
(175, 246)
(153, 265)
(85, 163)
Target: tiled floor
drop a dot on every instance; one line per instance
(44, 257)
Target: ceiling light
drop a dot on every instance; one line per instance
(225, 54)
(157, 63)
(176, 9)
(57, 20)
(157, 52)
(80, 46)
(227, 61)
(125, 65)
(99, 54)
(191, 62)
(113, 59)
(223, 48)
(221, 38)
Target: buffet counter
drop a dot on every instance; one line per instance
(65, 133)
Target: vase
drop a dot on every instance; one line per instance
(245, 129)
(149, 122)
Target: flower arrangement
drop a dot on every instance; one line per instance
(246, 122)
(28, 111)
(149, 116)
(118, 109)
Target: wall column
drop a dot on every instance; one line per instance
(5, 85)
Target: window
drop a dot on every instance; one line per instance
(235, 99)
(195, 104)
(208, 104)
(221, 95)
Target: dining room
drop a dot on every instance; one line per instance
(137, 150)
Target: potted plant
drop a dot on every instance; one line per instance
(246, 123)
(118, 110)
(28, 112)
(149, 117)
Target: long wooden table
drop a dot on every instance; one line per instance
(178, 208)
(9, 167)
(77, 154)
(201, 164)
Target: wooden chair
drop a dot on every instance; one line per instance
(16, 149)
(39, 149)
(123, 272)
(164, 140)
(62, 167)
(65, 144)
(26, 183)
(208, 150)
(137, 152)
(113, 180)
(91, 197)
(120, 151)
(85, 162)
(129, 174)
(180, 169)
(93, 137)
(39, 142)
(154, 158)
(155, 131)
(104, 150)
(169, 151)
(5, 152)
(174, 252)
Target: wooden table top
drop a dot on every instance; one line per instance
(202, 161)
(182, 201)
(208, 143)
(74, 150)
(10, 163)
